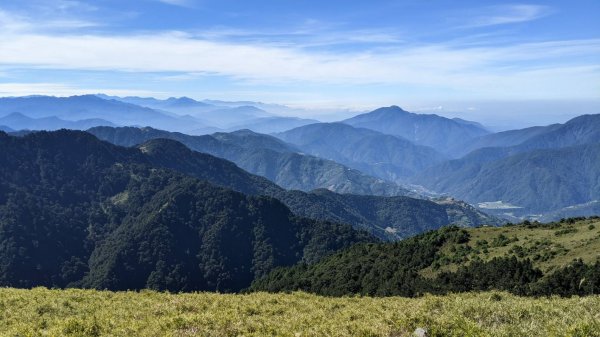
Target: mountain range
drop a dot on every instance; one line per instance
(266, 156)
(18, 121)
(222, 115)
(384, 217)
(545, 169)
(526, 173)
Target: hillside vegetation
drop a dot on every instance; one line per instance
(549, 246)
(526, 259)
(83, 313)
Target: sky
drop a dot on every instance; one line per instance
(502, 63)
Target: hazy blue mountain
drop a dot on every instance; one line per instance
(93, 107)
(5, 128)
(18, 121)
(502, 139)
(384, 217)
(388, 157)
(466, 122)
(224, 115)
(273, 124)
(228, 117)
(540, 181)
(266, 156)
(161, 104)
(435, 131)
(580, 130)
(577, 131)
(269, 107)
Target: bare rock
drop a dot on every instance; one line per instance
(420, 332)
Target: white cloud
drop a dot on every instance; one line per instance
(13, 23)
(499, 15)
(506, 70)
(562, 68)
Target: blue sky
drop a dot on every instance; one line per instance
(425, 55)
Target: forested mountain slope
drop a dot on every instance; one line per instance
(76, 211)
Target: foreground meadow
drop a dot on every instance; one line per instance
(44, 312)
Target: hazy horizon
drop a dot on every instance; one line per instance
(495, 116)
(506, 65)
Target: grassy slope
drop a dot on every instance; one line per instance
(42, 312)
(549, 246)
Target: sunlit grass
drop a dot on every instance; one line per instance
(43, 312)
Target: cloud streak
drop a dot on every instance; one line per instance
(560, 68)
(180, 3)
(507, 14)
(63, 89)
(477, 69)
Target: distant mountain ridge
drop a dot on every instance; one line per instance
(93, 107)
(388, 157)
(265, 156)
(502, 139)
(223, 115)
(19, 121)
(552, 168)
(434, 131)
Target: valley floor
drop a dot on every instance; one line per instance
(43, 312)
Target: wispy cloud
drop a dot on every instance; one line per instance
(563, 68)
(312, 33)
(507, 14)
(514, 68)
(62, 89)
(11, 23)
(180, 3)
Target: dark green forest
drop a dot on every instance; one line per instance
(76, 211)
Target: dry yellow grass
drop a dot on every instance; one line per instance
(43, 312)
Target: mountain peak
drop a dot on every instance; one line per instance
(16, 114)
(435, 131)
(164, 146)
